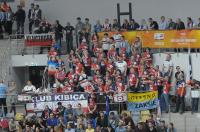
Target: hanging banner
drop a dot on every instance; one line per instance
(163, 38)
(38, 103)
(142, 101)
(38, 40)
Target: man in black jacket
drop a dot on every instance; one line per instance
(153, 24)
(31, 17)
(69, 36)
(133, 25)
(180, 24)
(38, 15)
(20, 16)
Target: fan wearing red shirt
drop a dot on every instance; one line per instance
(133, 80)
(89, 88)
(147, 57)
(112, 54)
(52, 52)
(79, 66)
(119, 85)
(92, 107)
(165, 95)
(94, 66)
(67, 88)
(60, 75)
(181, 91)
(87, 63)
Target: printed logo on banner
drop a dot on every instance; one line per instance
(159, 36)
(120, 97)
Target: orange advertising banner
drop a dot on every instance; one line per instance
(164, 38)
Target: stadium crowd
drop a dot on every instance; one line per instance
(101, 67)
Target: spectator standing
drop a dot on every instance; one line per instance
(171, 24)
(105, 43)
(133, 25)
(78, 29)
(88, 28)
(2, 19)
(12, 98)
(58, 29)
(38, 16)
(12, 125)
(117, 37)
(69, 36)
(20, 16)
(98, 27)
(167, 66)
(180, 100)
(3, 92)
(180, 24)
(195, 95)
(9, 21)
(163, 24)
(153, 25)
(31, 17)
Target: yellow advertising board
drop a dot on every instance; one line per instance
(163, 38)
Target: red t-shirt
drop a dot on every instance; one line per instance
(132, 79)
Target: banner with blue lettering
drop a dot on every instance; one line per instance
(38, 102)
(142, 101)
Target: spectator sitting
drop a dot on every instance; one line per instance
(153, 25)
(89, 128)
(120, 127)
(69, 128)
(46, 113)
(29, 88)
(60, 110)
(79, 110)
(102, 120)
(112, 120)
(171, 128)
(162, 127)
(52, 122)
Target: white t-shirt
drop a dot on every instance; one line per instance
(166, 65)
(105, 44)
(117, 38)
(69, 130)
(28, 88)
(121, 65)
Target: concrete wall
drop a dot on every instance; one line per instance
(68, 10)
(29, 60)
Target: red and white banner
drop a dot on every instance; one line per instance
(39, 39)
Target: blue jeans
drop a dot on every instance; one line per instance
(195, 102)
(164, 102)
